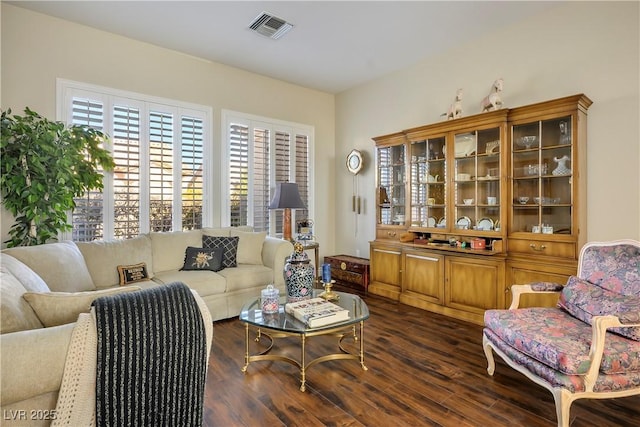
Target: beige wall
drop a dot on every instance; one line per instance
(37, 49)
(579, 47)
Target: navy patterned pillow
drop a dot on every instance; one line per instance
(229, 244)
(203, 259)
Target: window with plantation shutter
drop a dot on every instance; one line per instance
(87, 218)
(192, 172)
(260, 189)
(126, 174)
(302, 172)
(261, 153)
(161, 150)
(238, 174)
(161, 171)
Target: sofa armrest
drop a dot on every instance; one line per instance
(532, 288)
(274, 253)
(33, 362)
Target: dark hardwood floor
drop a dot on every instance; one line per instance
(424, 369)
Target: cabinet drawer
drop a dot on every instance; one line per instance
(347, 276)
(536, 247)
(348, 263)
(389, 234)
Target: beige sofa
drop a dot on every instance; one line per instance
(43, 289)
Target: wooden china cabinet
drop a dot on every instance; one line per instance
(547, 214)
(467, 207)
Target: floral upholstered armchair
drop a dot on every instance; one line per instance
(589, 345)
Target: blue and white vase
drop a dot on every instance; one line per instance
(299, 275)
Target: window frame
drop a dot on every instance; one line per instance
(252, 122)
(66, 90)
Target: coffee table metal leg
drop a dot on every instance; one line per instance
(303, 379)
(246, 348)
(362, 346)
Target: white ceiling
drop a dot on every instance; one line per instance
(334, 45)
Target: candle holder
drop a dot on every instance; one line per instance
(329, 294)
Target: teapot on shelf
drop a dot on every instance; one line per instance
(432, 178)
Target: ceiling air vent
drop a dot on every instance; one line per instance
(270, 26)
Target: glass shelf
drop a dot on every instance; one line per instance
(476, 184)
(542, 177)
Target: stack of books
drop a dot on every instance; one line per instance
(316, 312)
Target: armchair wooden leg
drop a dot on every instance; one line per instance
(489, 355)
(563, 405)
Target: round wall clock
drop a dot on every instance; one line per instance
(354, 161)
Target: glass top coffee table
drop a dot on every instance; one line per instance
(281, 324)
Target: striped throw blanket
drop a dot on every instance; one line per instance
(152, 358)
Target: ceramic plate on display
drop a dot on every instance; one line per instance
(465, 145)
(485, 224)
(464, 223)
(442, 223)
(431, 221)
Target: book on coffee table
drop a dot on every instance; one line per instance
(316, 312)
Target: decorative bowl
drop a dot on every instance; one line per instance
(523, 200)
(467, 201)
(527, 141)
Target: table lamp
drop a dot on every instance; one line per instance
(287, 197)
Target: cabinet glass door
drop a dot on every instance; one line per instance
(391, 185)
(542, 177)
(477, 180)
(428, 178)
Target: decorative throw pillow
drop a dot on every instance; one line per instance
(59, 308)
(584, 300)
(250, 246)
(230, 246)
(132, 273)
(203, 259)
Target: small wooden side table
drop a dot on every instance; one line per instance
(349, 269)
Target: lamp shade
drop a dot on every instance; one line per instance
(287, 197)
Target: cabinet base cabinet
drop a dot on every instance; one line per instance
(525, 271)
(457, 286)
(474, 285)
(423, 277)
(385, 280)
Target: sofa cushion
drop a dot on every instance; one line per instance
(204, 282)
(59, 308)
(132, 273)
(573, 383)
(104, 256)
(61, 265)
(585, 300)
(220, 232)
(230, 246)
(29, 279)
(203, 259)
(168, 248)
(15, 313)
(555, 338)
(250, 246)
(246, 276)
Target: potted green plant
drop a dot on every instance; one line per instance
(45, 165)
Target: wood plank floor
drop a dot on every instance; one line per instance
(424, 369)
